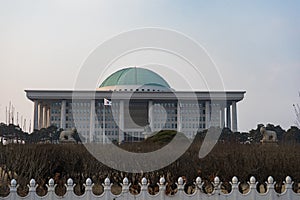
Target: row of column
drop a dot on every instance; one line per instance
(215, 115)
(41, 115)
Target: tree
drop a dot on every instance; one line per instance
(279, 131)
(292, 135)
(254, 135)
(77, 136)
(297, 112)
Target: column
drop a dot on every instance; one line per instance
(63, 114)
(234, 117)
(228, 117)
(48, 117)
(121, 121)
(36, 115)
(45, 117)
(92, 121)
(222, 116)
(150, 115)
(40, 125)
(207, 114)
(179, 120)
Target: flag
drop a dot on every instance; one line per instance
(107, 102)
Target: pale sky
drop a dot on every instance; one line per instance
(255, 45)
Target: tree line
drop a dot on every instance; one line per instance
(52, 133)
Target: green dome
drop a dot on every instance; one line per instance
(134, 76)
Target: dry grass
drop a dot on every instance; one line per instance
(226, 160)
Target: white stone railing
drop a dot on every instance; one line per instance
(217, 194)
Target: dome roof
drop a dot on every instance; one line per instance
(134, 76)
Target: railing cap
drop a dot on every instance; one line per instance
(270, 180)
(125, 181)
(51, 182)
(144, 181)
(198, 180)
(13, 183)
(32, 183)
(180, 181)
(252, 180)
(107, 181)
(70, 182)
(88, 182)
(217, 180)
(235, 180)
(162, 181)
(288, 180)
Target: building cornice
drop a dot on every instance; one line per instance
(89, 94)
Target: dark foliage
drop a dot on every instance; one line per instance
(236, 154)
(227, 159)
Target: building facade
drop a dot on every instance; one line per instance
(141, 102)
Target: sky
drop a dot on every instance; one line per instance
(254, 44)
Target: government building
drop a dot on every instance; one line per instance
(131, 103)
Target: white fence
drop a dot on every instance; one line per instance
(216, 194)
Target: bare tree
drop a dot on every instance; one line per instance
(297, 112)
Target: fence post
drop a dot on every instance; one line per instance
(125, 188)
(162, 188)
(88, 188)
(32, 189)
(199, 185)
(270, 187)
(13, 189)
(180, 187)
(107, 189)
(144, 188)
(235, 187)
(51, 188)
(217, 187)
(288, 183)
(70, 189)
(253, 193)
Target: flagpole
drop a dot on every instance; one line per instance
(103, 121)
